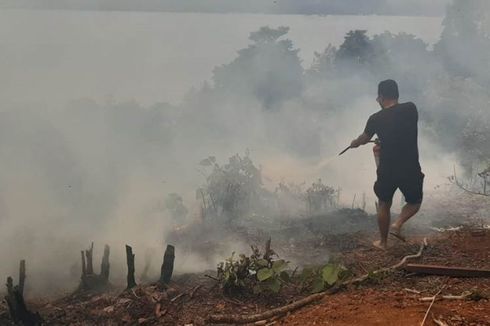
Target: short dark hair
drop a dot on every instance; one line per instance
(388, 89)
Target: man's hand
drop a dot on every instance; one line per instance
(355, 143)
(361, 140)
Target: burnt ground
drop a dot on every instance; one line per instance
(382, 300)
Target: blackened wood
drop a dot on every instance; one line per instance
(168, 265)
(447, 270)
(22, 276)
(17, 307)
(84, 266)
(130, 262)
(89, 255)
(105, 266)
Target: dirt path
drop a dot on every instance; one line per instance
(384, 307)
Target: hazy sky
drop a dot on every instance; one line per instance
(322, 7)
(57, 56)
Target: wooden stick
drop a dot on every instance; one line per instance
(178, 297)
(463, 296)
(439, 322)
(194, 291)
(430, 306)
(412, 291)
(245, 319)
(211, 277)
(388, 269)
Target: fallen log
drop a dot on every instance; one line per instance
(447, 270)
(245, 319)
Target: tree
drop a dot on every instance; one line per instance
(356, 48)
(269, 69)
(464, 46)
(231, 189)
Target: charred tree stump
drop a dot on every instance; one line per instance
(89, 255)
(22, 276)
(168, 265)
(130, 262)
(84, 266)
(89, 280)
(16, 304)
(105, 266)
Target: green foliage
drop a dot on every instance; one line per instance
(232, 188)
(320, 197)
(256, 273)
(356, 48)
(269, 69)
(319, 278)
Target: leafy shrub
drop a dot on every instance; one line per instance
(256, 273)
(320, 278)
(320, 197)
(231, 188)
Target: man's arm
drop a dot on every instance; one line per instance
(366, 136)
(361, 140)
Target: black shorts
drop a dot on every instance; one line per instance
(411, 186)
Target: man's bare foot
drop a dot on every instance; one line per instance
(396, 232)
(380, 245)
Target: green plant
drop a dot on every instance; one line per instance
(231, 189)
(256, 273)
(319, 278)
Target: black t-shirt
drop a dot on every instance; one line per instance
(396, 128)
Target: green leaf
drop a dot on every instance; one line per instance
(262, 263)
(279, 265)
(285, 276)
(264, 274)
(318, 285)
(330, 273)
(275, 285)
(306, 273)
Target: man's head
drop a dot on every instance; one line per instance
(387, 93)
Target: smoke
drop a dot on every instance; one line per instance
(93, 169)
(305, 7)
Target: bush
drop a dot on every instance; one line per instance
(256, 273)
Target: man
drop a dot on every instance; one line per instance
(399, 168)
